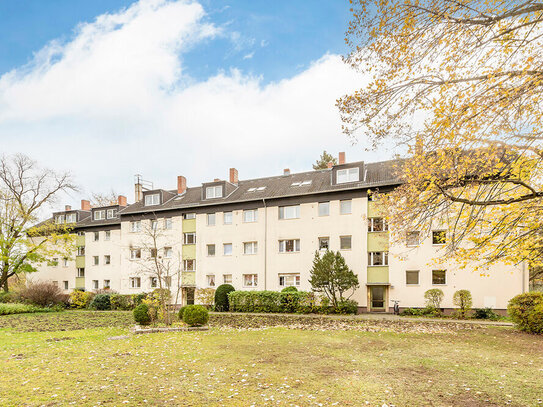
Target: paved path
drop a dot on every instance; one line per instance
(387, 317)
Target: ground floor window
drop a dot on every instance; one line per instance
(80, 272)
(324, 243)
(210, 280)
(135, 254)
(154, 282)
(412, 277)
(227, 278)
(345, 243)
(287, 280)
(65, 285)
(95, 284)
(107, 284)
(189, 265)
(250, 280)
(135, 282)
(439, 277)
(287, 246)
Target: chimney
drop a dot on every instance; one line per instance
(330, 165)
(138, 192)
(342, 157)
(85, 205)
(67, 208)
(181, 184)
(121, 200)
(216, 179)
(233, 176)
(286, 171)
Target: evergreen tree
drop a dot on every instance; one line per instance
(322, 162)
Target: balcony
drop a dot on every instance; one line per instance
(378, 275)
(189, 225)
(188, 278)
(80, 240)
(378, 242)
(80, 262)
(189, 251)
(80, 282)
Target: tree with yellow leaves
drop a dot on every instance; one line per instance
(457, 86)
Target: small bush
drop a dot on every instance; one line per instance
(205, 296)
(462, 299)
(180, 312)
(485, 313)
(346, 307)
(121, 302)
(81, 299)
(141, 314)
(221, 297)
(289, 289)
(42, 294)
(433, 298)
(138, 298)
(411, 312)
(101, 302)
(7, 309)
(526, 311)
(7, 297)
(195, 315)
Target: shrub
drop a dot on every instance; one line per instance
(411, 312)
(462, 299)
(346, 307)
(141, 314)
(195, 315)
(180, 312)
(101, 302)
(138, 298)
(121, 302)
(42, 294)
(7, 309)
(81, 299)
(289, 289)
(433, 298)
(205, 296)
(486, 313)
(6, 297)
(221, 297)
(273, 301)
(526, 311)
(290, 300)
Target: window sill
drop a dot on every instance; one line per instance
(440, 284)
(289, 252)
(412, 285)
(378, 265)
(346, 250)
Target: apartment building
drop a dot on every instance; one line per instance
(262, 234)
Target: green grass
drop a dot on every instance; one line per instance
(8, 309)
(275, 366)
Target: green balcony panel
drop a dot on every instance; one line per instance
(378, 241)
(378, 274)
(188, 278)
(80, 282)
(189, 251)
(80, 262)
(189, 225)
(80, 240)
(375, 209)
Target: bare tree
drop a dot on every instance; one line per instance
(99, 199)
(160, 263)
(26, 188)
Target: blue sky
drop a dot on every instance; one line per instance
(277, 39)
(109, 89)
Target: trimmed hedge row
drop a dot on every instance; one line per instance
(285, 302)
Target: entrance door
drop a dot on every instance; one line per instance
(377, 298)
(189, 295)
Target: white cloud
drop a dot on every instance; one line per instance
(115, 101)
(249, 55)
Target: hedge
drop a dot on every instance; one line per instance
(526, 311)
(7, 309)
(301, 302)
(195, 315)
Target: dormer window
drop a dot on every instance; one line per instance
(152, 199)
(111, 213)
(71, 218)
(348, 175)
(99, 215)
(214, 192)
(59, 219)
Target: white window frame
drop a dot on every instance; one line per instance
(250, 248)
(211, 219)
(323, 238)
(107, 259)
(252, 278)
(350, 240)
(107, 283)
(135, 226)
(71, 218)
(407, 238)
(64, 262)
(373, 224)
(60, 219)
(99, 215)
(372, 258)
(95, 236)
(135, 254)
(95, 284)
(214, 250)
(210, 280)
(168, 223)
(153, 282)
(107, 235)
(186, 236)
(214, 192)
(418, 277)
(152, 199)
(445, 271)
(250, 215)
(324, 205)
(95, 260)
(439, 231)
(225, 246)
(66, 284)
(190, 215)
(186, 261)
(135, 282)
(294, 277)
(80, 272)
(295, 245)
(342, 207)
(111, 213)
(289, 212)
(227, 278)
(168, 252)
(348, 175)
(227, 218)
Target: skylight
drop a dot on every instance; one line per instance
(300, 183)
(256, 189)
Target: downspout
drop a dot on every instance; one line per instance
(265, 243)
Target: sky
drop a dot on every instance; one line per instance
(107, 89)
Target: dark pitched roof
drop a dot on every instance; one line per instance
(317, 182)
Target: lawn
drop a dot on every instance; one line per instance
(49, 360)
